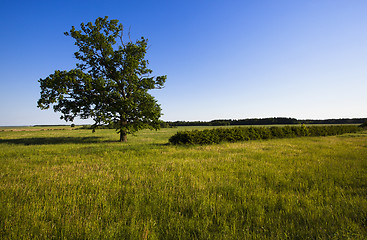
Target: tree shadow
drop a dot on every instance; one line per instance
(160, 144)
(51, 140)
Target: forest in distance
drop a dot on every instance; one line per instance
(250, 121)
(267, 121)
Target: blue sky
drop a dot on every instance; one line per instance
(225, 59)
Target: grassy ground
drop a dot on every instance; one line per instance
(74, 184)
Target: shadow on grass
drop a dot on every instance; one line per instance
(52, 140)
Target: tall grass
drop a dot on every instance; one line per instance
(78, 185)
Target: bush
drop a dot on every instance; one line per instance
(363, 125)
(236, 134)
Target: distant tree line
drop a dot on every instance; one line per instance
(232, 122)
(266, 121)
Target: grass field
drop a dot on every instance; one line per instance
(61, 183)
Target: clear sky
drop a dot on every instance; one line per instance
(224, 59)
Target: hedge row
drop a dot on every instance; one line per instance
(217, 135)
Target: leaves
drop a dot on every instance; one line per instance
(218, 135)
(111, 82)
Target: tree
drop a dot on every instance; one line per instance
(109, 85)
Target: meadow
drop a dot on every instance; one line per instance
(62, 183)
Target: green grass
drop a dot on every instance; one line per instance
(74, 184)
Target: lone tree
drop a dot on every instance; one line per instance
(109, 85)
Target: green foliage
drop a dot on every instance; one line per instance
(235, 134)
(109, 85)
(364, 125)
(268, 121)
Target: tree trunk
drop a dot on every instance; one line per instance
(123, 131)
(123, 136)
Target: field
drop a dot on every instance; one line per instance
(60, 183)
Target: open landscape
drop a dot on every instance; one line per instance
(70, 183)
(183, 120)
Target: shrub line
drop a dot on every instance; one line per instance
(236, 134)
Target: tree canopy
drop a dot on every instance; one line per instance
(110, 83)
